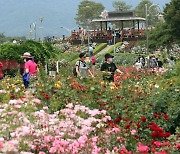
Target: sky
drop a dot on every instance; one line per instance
(17, 15)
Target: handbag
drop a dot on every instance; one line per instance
(26, 76)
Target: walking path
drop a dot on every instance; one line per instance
(103, 51)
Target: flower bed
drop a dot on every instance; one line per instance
(139, 113)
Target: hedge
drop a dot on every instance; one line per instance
(95, 51)
(112, 48)
(99, 48)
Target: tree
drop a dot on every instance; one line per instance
(2, 38)
(172, 18)
(140, 11)
(160, 36)
(121, 5)
(165, 34)
(88, 10)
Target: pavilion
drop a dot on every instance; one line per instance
(118, 18)
(121, 17)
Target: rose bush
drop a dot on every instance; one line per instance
(139, 113)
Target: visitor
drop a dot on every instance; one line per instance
(109, 39)
(93, 62)
(160, 63)
(30, 69)
(1, 72)
(153, 62)
(171, 62)
(108, 68)
(90, 51)
(142, 61)
(81, 67)
(138, 65)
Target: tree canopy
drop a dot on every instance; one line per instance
(160, 36)
(88, 10)
(168, 32)
(152, 12)
(172, 18)
(121, 5)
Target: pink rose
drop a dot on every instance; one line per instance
(1, 145)
(133, 132)
(157, 143)
(142, 148)
(162, 152)
(52, 150)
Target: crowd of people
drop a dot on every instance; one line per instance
(108, 68)
(152, 62)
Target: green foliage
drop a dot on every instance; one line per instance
(172, 18)
(3, 38)
(99, 48)
(111, 50)
(40, 52)
(71, 57)
(96, 50)
(141, 12)
(166, 33)
(122, 5)
(88, 10)
(160, 36)
(126, 59)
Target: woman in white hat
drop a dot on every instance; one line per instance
(30, 68)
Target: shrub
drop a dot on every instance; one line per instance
(41, 52)
(99, 48)
(112, 48)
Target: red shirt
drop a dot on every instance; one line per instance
(31, 66)
(1, 73)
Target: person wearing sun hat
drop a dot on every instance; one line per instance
(108, 68)
(30, 68)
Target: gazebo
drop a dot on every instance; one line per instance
(120, 18)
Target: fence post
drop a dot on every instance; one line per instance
(57, 66)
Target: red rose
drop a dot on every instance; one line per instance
(143, 118)
(117, 120)
(138, 125)
(46, 96)
(166, 117)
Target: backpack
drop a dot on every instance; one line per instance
(74, 70)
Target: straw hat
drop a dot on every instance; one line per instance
(26, 55)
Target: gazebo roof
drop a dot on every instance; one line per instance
(119, 19)
(118, 16)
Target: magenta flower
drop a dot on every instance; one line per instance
(142, 148)
(133, 132)
(1, 145)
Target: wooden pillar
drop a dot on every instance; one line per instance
(106, 25)
(133, 24)
(122, 25)
(101, 25)
(138, 25)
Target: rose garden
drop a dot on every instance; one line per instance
(61, 114)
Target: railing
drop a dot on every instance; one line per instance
(108, 34)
